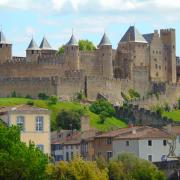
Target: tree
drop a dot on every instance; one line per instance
(77, 169)
(69, 119)
(53, 100)
(61, 50)
(103, 108)
(86, 45)
(129, 166)
(17, 161)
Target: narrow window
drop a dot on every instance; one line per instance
(149, 143)
(20, 122)
(39, 123)
(127, 143)
(109, 155)
(164, 142)
(150, 158)
(109, 141)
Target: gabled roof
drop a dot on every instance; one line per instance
(105, 40)
(45, 44)
(144, 132)
(33, 45)
(72, 41)
(133, 35)
(3, 39)
(148, 37)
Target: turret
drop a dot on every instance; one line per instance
(168, 37)
(105, 55)
(46, 48)
(132, 52)
(71, 52)
(5, 49)
(32, 52)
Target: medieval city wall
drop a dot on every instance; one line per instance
(89, 61)
(27, 86)
(68, 87)
(108, 87)
(24, 69)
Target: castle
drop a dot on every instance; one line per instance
(141, 62)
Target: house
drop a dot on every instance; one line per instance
(68, 143)
(34, 123)
(146, 142)
(103, 146)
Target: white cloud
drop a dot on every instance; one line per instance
(30, 31)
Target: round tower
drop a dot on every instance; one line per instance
(5, 49)
(105, 55)
(71, 53)
(32, 52)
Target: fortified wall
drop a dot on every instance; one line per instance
(27, 86)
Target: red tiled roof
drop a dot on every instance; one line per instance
(116, 132)
(144, 132)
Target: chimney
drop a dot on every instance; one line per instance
(85, 123)
(133, 131)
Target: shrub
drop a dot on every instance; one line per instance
(133, 94)
(102, 106)
(43, 96)
(13, 94)
(167, 107)
(158, 109)
(31, 103)
(53, 100)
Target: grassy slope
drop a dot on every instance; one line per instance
(94, 119)
(174, 115)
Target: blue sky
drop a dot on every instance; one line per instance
(22, 19)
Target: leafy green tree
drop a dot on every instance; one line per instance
(17, 161)
(129, 166)
(69, 119)
(77, 169)
(61, 50)
(103, 108)
(100, 106)
(86, 45)
(53, 100)
(179, 103)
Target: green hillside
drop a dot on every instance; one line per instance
(174, 115)
(94, 118)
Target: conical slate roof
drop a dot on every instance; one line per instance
(33, 45)
(105, 40)
(133, 35)
(72, 41)
(3, 39)
(45, 44)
